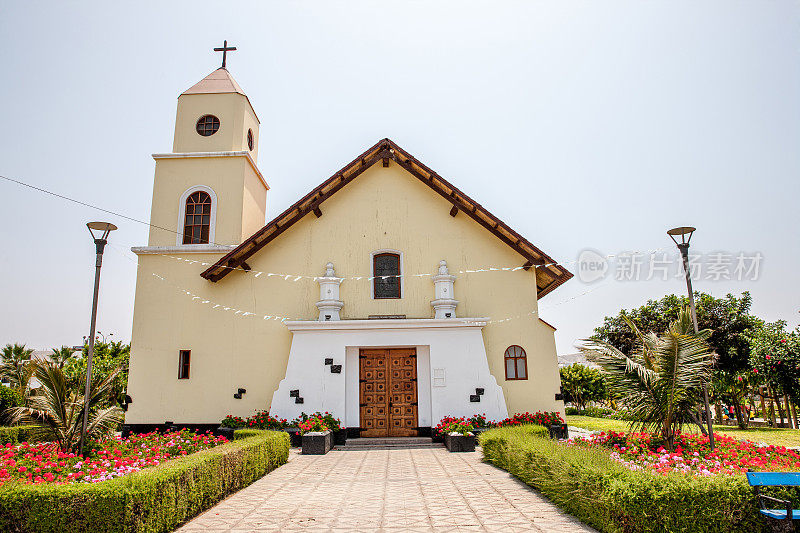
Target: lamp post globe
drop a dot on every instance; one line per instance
(99, 232)
(681, 237)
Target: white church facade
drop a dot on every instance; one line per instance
(385, 295)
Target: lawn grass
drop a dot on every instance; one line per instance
(776, 436)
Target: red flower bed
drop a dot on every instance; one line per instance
(260, 420)
(540, 418)
(480, 421)
(639, 451)
(43, 462)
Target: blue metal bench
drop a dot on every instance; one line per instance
(775, 479)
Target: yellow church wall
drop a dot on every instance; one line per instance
(384, 208)
(254, 203)
(228, 177)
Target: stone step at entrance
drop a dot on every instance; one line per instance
(388, 443)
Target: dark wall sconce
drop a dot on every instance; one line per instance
(329, 360)
(294, 393)
(242, 391)
(336, 369)
(474, 398)
(237, 396)
(479, 391)
(298, 400)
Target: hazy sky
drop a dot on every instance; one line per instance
(583, 125)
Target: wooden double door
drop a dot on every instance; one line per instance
(388, 392)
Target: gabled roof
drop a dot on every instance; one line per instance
(218, 82)
(549, 274)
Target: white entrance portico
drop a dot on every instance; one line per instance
(452, 369)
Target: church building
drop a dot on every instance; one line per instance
(385, 296)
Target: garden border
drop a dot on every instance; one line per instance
(601, 492)
(158, 498)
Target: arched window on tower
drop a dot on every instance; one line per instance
(516, 363)
(197, 218)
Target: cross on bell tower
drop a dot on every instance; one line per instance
(225, 48)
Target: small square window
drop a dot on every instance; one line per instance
(184, 360)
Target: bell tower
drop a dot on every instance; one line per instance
(208, 191)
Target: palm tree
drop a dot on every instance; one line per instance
(60, 356)
(661, 378)
(17, 367)
(56, 413)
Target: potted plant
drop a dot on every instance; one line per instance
(459, 437)
(480, 424)
(438, 432)
(316, 437)
(335, 425)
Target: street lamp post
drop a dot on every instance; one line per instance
(685, 235)
(99, 232)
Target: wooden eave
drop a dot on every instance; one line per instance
(549, 274)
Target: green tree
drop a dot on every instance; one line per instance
(8, 398)
(56, 412)
(109, 357)
(582, 385)
(775, 358)
(62, 355)
(660, 378)
(731, 325)
(17, 367)
(733, 389)
(728, 318)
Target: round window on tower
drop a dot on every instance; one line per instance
(207, 125)
(250, 139)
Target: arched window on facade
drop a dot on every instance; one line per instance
(516, 363)
(197, 218)
(386, 269)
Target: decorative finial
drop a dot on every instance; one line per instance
(443, 267)
(329, 273)
(225, 49)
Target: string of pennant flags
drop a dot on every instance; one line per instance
(235, 311)
(298, 277)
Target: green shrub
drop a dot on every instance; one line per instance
(16, 434)
(245, 433)
(156, 499)
(8, 398)
(9, 435)
(601, 492)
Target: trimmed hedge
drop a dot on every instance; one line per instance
(156, 499)
(15, 435)
(590, 485)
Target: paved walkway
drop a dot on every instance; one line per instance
(396, 491)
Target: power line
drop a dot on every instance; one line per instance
(85, 204)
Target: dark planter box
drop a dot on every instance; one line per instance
(558, 431)
(460, 443)
(294, 437)
(317, 443)
(340, 437)
(477, 432)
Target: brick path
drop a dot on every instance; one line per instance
(394, 491)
